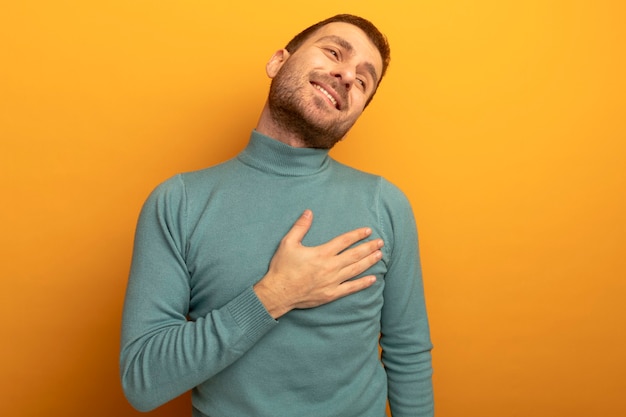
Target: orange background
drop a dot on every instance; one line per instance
(504, 122)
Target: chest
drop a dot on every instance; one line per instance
(234, 237)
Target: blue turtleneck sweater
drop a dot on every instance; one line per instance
(192, 321)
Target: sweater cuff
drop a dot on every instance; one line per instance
(250, 314)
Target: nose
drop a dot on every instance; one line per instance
(345, 74)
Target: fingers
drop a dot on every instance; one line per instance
(356, 285)
(358, 255)
(300, 228)
(359, 259)
(346, 240)
(306, 277)
(359, 252)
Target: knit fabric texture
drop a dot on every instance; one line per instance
(192, 321)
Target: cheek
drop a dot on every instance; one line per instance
(358, 100)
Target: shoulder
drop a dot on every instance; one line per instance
(192, 181)
(344, 171)
(175, 189)
(386, 190)
(208, 175)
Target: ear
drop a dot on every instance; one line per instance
(276, 62)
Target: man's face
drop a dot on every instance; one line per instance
(320, 90)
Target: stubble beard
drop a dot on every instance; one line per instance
(289, 110)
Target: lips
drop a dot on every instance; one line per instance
(330, 95)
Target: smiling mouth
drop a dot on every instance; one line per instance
(327, 94)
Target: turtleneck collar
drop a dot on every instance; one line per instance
(270, 155)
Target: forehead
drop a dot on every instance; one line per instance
(362, 47)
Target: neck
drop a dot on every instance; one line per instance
(268, 127)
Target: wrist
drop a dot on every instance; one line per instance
(273, 302)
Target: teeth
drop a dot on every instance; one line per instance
(327, 94)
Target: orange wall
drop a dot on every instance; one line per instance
(504, 122)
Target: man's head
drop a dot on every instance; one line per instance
(375, 36)
(324, 78)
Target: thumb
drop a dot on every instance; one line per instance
(301, 227)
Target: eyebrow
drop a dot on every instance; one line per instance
(349, 48)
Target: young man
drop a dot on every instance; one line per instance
(236, 292)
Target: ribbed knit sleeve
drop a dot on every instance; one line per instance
(405, 337)
(163, 354)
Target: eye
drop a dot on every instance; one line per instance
(361, 83)
(333, 52)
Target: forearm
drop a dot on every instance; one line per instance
(175, 355)
(406, 350)
(410, 389)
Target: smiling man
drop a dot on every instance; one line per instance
(237, 293)
(317, 94)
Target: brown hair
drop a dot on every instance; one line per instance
(378, 39)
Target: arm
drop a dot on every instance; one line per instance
(405, 338)
(163, 354)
